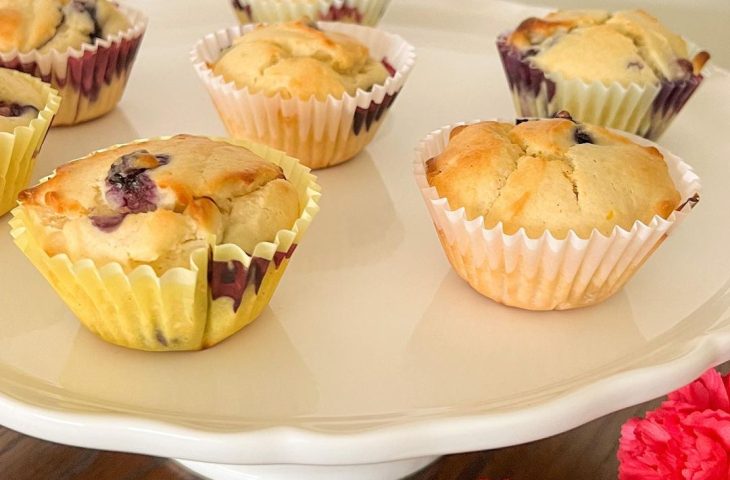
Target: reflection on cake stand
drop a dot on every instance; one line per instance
(379, 471)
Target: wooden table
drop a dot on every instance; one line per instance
(587, 452)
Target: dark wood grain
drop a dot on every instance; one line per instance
(585, 453)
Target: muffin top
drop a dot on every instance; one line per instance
(297, 60)
(48, 25)
(552, 175)
(628, 46)
(20, 99)
(156, 202)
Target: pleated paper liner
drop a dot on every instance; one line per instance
(320, 133)
(645, 110)
(18, 150)
(364, 12)
(547, 273)
(222, 290)
(90, 79)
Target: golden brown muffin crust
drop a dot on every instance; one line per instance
(552, 175)
(297, 60)
(628, 46)
(155, 202)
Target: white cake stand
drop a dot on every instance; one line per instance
(373, 357)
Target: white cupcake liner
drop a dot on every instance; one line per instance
(364, 12)
(320, 133)
(90, 79)
(547, 273)
(178, 310)
(645, 110)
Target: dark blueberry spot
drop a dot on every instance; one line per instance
(388, 67)
(686, 66)
(228, 276)
(107, 223)
(16, 110)
(256, 271)
(163, 158)
(691, 201)
(530, 52)
(227, 279)
(280, 256)
(365, 117)
(581, 136)
(130, 188)
(564, 115)
(636, 65)
(90, 9)
(160, 338)
(344, 12)
(242, 7)
(230, 279)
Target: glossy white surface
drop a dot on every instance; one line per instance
(379, 471)
(372, 349)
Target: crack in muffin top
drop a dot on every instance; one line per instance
(155, 202)
(552, 175)
(628, 46)
(48, 25)
(297, 60)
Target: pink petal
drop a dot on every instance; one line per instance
(709, 391)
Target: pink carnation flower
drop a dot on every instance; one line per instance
(686, 438)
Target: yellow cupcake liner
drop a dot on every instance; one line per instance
(18, 150)
(177, 310)
(547, 273)
(364, 12)
(320, 133)
(90, 79)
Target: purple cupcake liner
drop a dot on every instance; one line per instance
(365, 117)
(524, 79)
(528, 84)
(88, 74)
(230, 279)
(243, 10)
(671, 99)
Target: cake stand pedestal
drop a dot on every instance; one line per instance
(380, 471)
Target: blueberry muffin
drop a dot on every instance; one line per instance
(27, 106)
(552, 213)
(46, 25)
(297, 60)
(215, 216)
(318, 92)
(552, 175)
(44, 38)
(365, 12)
(20, 100)
(624, 70)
